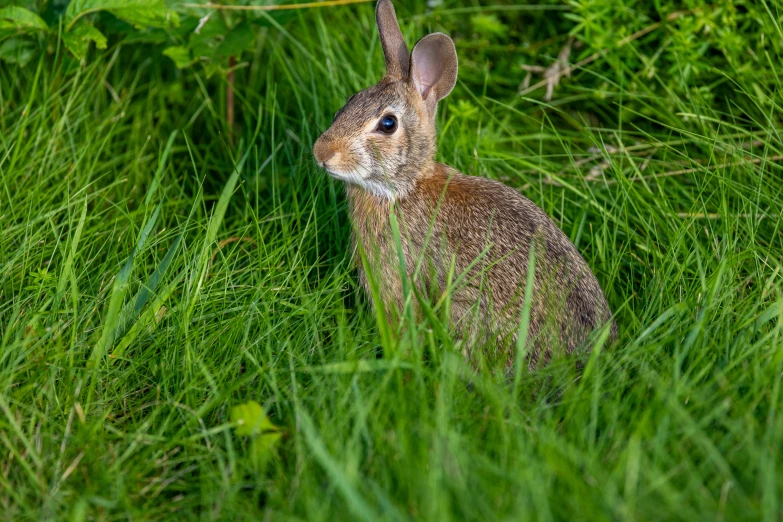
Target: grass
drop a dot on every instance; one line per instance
(152, 278)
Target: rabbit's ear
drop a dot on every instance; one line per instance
(434, 68)
(394, 48)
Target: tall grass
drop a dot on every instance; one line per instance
(152, 277)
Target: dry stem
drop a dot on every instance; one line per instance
(307, 5)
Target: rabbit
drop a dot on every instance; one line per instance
(472, 231)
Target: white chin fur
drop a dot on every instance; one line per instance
(378, 189)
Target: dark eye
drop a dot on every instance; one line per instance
(388, 124)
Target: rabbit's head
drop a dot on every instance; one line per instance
(384, 138)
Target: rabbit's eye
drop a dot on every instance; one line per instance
(388, 124)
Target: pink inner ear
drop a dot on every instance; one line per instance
(428, 66)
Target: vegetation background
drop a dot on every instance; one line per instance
(181, 333)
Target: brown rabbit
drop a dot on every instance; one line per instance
(473, 231)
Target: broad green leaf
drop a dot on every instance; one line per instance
(78, 39)
(204, 43)
(17, 51)
(141, 13)
(180, 55)
(251, 420)
(156, 36)
(213, 45)
(21, 20)
(240, 39)
(148, 18)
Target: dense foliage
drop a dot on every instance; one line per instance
(181, 332)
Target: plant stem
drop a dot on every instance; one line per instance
(230, 101)
(328, 3)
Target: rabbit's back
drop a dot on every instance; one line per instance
(482, 231)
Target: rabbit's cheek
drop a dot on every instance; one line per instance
(392, 147)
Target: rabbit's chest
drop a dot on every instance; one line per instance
(378, 249)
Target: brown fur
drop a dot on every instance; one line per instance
(483, 228)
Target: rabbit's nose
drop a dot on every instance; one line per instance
(323, 151)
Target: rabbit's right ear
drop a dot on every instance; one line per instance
(395, 50)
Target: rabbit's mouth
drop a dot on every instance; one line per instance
(340, 166)
(375, 187)
(336, 168)
(347, 176)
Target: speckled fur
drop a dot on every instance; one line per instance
(482, 227)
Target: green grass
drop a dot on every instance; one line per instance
(152, 280)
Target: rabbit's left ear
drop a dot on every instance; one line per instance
(434, 68)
